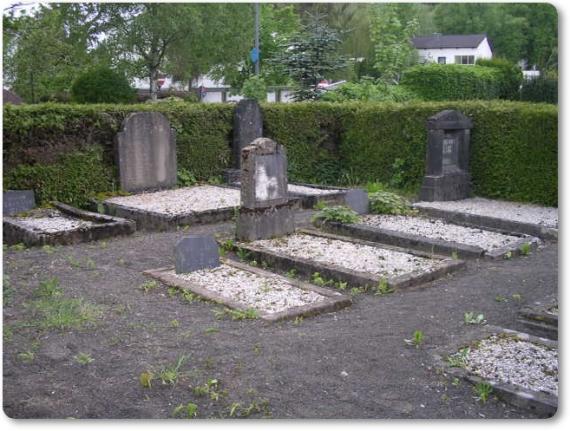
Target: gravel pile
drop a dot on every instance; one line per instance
(269, 294)
(352, 256)
(310, 191)
(438, 229)
(182, 201)
(525, 213)
(517, 362)
(53, 222)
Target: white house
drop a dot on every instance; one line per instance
(452, 48)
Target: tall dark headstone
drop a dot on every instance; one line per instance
(146, 152)
(17, 201)
(194, 252)
(265, 211)
(447, 166)
(248, 126)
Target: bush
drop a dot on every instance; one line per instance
(255, 88)
(383, 202)
(367, 90)
(340, 214)
(453, 82)
(541, 89)
(510, 77)
(102, 85)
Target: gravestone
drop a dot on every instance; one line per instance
(357, 200)
(17, 201)
(146, 152)
(194, 252)
(248, 126)
(447, 164)
(265, 211)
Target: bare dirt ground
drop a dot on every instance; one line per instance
(349, 364)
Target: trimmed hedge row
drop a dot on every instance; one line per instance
(65, 152)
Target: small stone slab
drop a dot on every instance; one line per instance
(195, 252)
(357, 199)
(333, 301)
(539, 403)
(98, 227)
(146, 152)
(17, 201)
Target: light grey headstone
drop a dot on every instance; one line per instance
(194, 252)
(357, 199)
(263, 174)
(248, 126)
(17, 201)
(146, 152)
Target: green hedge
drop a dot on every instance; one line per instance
(453, 82)
(65, 151)
(540, 89)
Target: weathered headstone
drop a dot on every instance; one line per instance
(248, 126)
(17, 201)
(194, 252)
(447, 166)
(357, 200)
(146, 152)
(265, 211)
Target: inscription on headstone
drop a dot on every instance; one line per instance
(194, 252)
(17, 201)
(447, 166)
(146, 152)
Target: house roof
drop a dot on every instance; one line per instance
(438, 41)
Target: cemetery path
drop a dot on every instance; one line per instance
(349, 364)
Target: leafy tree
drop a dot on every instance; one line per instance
(310, 56)
(391, 28)
(102, 85)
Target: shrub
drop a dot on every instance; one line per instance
(367, 90)
(102, 85)
(340, 214)
(510, 77)
(541, 89)
(255, 88)
(453, 82)
(383, 202)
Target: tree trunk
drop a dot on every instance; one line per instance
(153, 89)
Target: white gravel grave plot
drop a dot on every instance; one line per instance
(268, 294)
(310, 191)
(439, 229)
(53, 222)
(352, 256)
(517, 362)
(181, 201)
(524, 213)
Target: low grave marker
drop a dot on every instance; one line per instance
(17, 201)
(195, 252)
(357, 199)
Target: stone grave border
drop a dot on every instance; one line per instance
(157, 222)
(418, 242)
(334, 301)
(491, 223)
(307, 267)
(16, 232)
(538, 321)
(540, 403)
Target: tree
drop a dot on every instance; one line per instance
(391, 28)
(310, 55)
(102, 85)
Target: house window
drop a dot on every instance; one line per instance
(441, 60)
(464, 59)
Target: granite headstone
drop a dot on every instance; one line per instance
(194, 252)
(357, 200)
(17, 201)
(146, 152)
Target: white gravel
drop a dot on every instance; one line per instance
(269, 294)
(438, 229)
(521, 363)
(348, 255)
(54, 222)
(525, 213)
(182, 201)
(310, 191)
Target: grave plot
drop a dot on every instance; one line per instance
(511, 217)
(167, 209)
(355, 262)
(541, 320)
(433, 235)
(62, 225)
(517, 367)
(245, 288)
